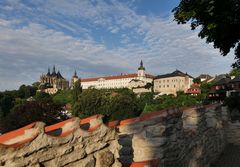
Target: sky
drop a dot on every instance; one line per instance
(98, 38)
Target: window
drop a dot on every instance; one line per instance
(174, 86)
(167, 85)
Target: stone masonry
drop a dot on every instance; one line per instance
(191, 137)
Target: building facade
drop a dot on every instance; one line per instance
(117, 81)
(52, 82)
(172, 83)
(194, 90)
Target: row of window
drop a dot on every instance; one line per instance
(173, 80)
(167, 86)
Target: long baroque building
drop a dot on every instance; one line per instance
(133, 80)
(53, 81)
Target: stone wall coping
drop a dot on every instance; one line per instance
(15, 133)
(94, 122)
(153, 163)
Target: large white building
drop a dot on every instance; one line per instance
(117, 81)
(172, 83)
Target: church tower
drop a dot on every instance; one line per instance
(141, 70)
(74, 79)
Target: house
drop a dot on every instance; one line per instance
(204, 77)
(219, 91)
(173, 82)
(194, 90)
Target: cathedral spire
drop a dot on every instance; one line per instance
(75, 73)
(141, 66)
(48, 73)
(54, 70)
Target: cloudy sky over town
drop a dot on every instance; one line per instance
(97, 38)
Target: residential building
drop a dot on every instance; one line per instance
(219, 91)
(172, 83)
(204, 77)
(118, 81)
(235, 86)
(194, 90)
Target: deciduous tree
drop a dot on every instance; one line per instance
(219, 21)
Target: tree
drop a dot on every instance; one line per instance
(77, 90)
(6, 103)
(197, 80)
(123, 106)
(29, 112)
(63, 97)
(42, 96)
(235, 72)
(91, 102)
(219, 21)
(26, 91)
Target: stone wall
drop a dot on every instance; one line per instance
(64, 144)
(192, 137)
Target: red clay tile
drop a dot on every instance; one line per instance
(151, 163)
(150, 115)
(130, 120)
(112, 124)
(15, 133)
(87, 120)
(57, 125)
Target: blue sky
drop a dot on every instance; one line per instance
(98, 37)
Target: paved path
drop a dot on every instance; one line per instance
(230, 157)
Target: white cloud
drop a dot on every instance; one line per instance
(28, 48)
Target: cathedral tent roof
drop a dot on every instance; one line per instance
(54, 72)
(48, 73)
(59, 75)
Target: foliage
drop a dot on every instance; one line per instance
(91, 102)
(197, 80)
(121, 106)
(219, 21)
(77, 90)
(171, 101)
(29, 112)
(26, 91)
(205, 87)
(6, 103)
(63, 97)
(42, 96)
(124, 106)
(235, 72)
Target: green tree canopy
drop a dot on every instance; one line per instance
(219, 21)
(63, 97)
(29, 112)
(235, 72)
(77, 90)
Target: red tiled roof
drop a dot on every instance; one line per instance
(114, 77)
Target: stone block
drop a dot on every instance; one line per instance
(104, 158)
(90, 148)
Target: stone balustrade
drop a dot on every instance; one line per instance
(192, 137)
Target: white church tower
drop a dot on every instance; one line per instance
(141, 71)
